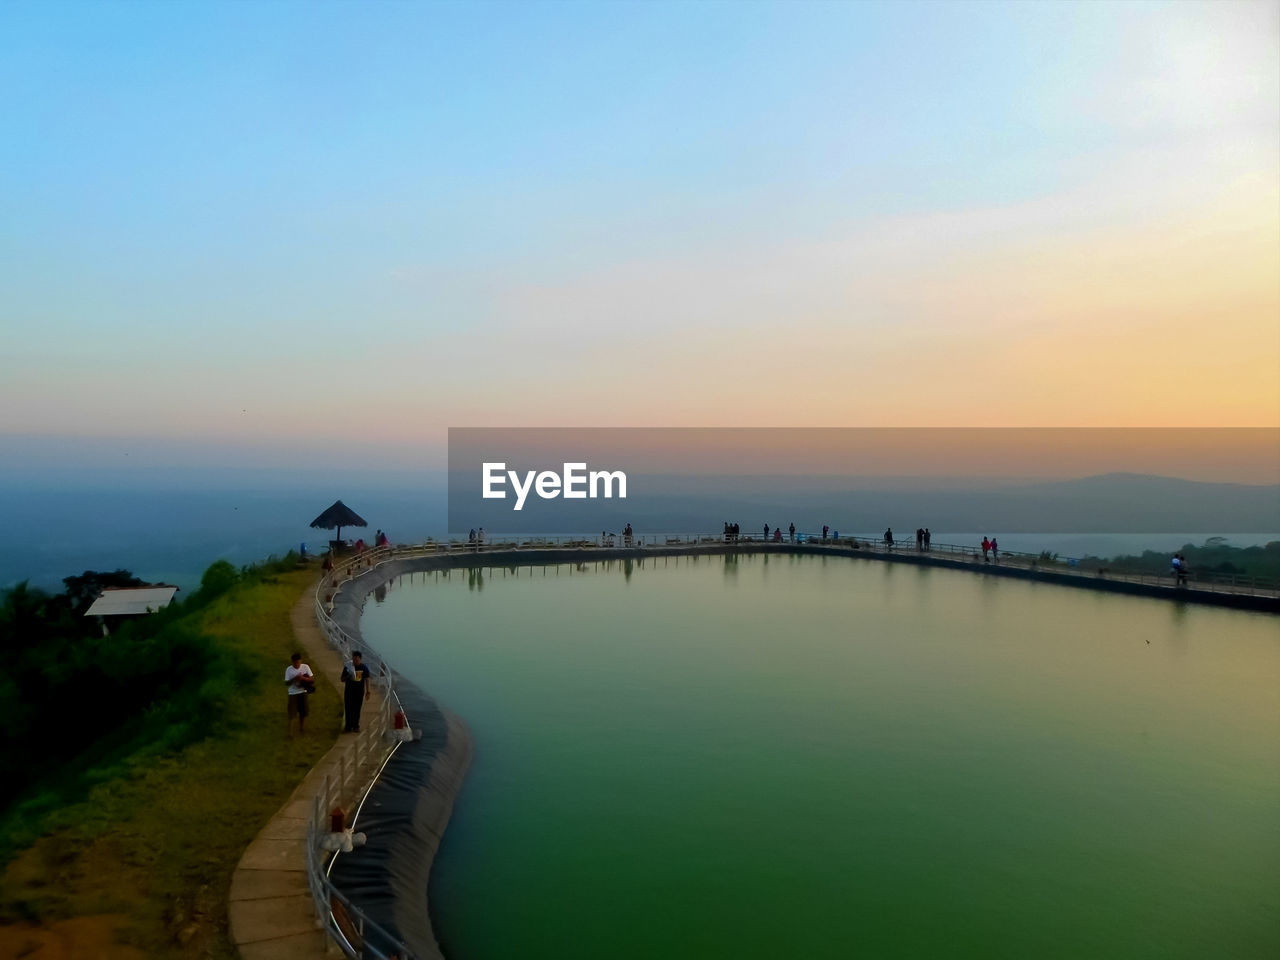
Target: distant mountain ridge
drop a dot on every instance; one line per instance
(1132, 503)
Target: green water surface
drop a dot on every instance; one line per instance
(775, 757)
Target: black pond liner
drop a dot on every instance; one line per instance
(405, 813)
(403, 816)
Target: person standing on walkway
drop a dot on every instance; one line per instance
(928, 539)
(995, 550)
(986, 549)
(766, 531)
(355, 690)
(919, 538)
(792, 530)
(299, 681)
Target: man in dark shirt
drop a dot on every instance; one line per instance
(355, 690)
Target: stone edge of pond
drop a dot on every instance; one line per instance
(410, 803)
(541, 555)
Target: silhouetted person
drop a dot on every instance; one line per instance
(986, 549)
(995, 550)
(766, 531)
(928, 538)
(355, 691)
(919, 538)
(792, 531)
(888, 538)
(825, 528)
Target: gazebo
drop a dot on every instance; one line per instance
(339, 515)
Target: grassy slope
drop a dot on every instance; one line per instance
(158, 840)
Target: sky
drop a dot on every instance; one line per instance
(271, 233)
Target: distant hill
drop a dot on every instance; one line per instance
(1115, 502)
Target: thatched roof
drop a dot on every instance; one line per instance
(339, 515)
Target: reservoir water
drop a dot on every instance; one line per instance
(789, 756)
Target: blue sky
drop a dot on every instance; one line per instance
(216, 217)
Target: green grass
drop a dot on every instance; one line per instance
(156, 835)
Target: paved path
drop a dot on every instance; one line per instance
(272, 913)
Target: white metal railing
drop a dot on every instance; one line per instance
(349, 927)
(1084, 568)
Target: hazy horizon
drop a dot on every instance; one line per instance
(1007, 455)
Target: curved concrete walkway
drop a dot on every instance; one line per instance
(271, 910)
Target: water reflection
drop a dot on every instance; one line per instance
(731, 567)
(924, 740)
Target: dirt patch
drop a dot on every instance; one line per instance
(80, 938)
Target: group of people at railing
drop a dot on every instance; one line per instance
(733, 533)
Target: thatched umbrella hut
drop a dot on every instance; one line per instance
(339, 515)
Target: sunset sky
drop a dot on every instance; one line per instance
(267, 228)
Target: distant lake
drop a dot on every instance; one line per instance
(173, 535)
(797, 756)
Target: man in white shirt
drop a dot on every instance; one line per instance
(300, 682)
